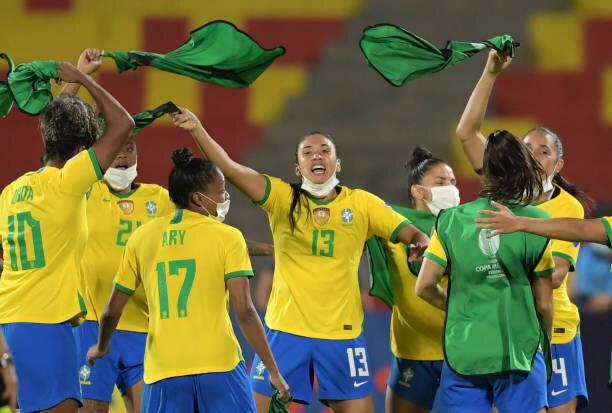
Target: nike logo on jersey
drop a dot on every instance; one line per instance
(105, 200)
(359, 384)
(556, 393)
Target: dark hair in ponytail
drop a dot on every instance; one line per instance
(587, 202)
(297, 201)
(188, 176)
(512, 176)
(422, 161)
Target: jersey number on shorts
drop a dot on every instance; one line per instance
(356, 356)
(558, 366)
(174, 267)
(24, 219)
(323, 242)
(124, 233)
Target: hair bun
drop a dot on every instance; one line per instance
(181, 157)
(419, 154)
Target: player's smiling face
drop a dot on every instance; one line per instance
(317, 159)
(126, 157)
(544, 150)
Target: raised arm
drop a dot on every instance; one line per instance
(119, 123)
(89, 62)
(251, 327)
(503, 221)
(468, 129)
(250, 182)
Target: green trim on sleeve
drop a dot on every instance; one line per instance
(236, 274)
(123, 289)
(567, 258)
(397, 230)
(608, 228)
(435, 258)
(267, 193)
(96, 165)
(545, 273)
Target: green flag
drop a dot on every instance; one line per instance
(6, 100)
(28, 85)
(145, 118)
(217, 53)
(277, 405)
(400, 56)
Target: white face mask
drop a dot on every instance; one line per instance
(548, 182)
(320, 190)
(442, 197)
(120, 179)
(222, 208)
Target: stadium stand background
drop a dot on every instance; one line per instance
(562, 78)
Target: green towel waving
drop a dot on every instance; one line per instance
(217, 53)
(400, 56)
(144, 119)
(28, 85)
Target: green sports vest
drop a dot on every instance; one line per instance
(491, 322)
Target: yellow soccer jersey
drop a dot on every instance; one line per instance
(607, 223)
(43, 226)
(315, 292)
(416, 326)
(183, 262)
(566, 317)
(111, 218)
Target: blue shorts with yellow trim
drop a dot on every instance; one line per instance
(122, 366)
(227, 392)
(415, 380)
(341, 367)
(46, 364)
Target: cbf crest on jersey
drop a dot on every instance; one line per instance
(347, 216)
(151, 208)
(321, 215)
(126, 206)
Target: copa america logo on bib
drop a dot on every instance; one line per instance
(488, 246)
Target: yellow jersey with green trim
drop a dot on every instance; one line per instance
(607, 223)
(112, 218)
(416, 326)
(566, 316)
(43, 226)
(315, 292)
(183, 262)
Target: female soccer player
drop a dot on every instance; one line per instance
(314, 315)
(43, 228)
(187, 263)
(499, 303)
(416, 327)
(567, 389)
(115, 208)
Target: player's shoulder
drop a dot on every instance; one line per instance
(570, 205)
(152, 189)
(531, 211)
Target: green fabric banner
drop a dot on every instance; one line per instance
(28, 85)
(277, 405)
(400, 56)
(217, 53)
(144, 119)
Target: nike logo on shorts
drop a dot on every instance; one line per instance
(556, 393)
(359, 384)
